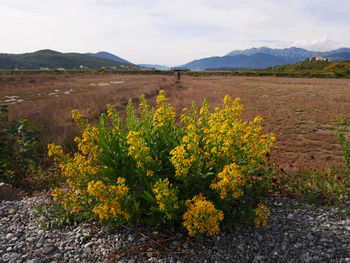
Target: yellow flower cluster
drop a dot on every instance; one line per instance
(56, 152)
(228, 137)
(113, 116)
(261, 215)
(109, 199)
(201, 216)
(79, 119)
(139, 151)
(188, 154)
(72, 201)
(77, 171)
(164, 115)
(166, 197)
(230, 180)
(217, 155)
(87, 142)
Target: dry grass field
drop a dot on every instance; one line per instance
(299, 111)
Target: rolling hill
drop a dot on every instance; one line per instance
(106, 55)
(53, 59)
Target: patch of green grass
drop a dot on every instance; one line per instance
(329, 187)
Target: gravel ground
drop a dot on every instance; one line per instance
(296, 232)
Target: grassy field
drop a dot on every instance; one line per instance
(300, 111)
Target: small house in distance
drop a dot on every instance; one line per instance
(319, 58)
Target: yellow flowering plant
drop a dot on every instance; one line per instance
(200, 170)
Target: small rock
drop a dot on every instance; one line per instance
(86, 250)
(48, 249)
(89, 244)
(310, 237)
(9, 236)
(7, 193)
(131, 238)
(290, 216)
(6, 256)
(14, 256)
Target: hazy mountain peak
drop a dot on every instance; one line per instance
(107, 55)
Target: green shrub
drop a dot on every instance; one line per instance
(17, 141)
(150, 169)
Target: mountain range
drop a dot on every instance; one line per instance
(264, 57)
(53, 59)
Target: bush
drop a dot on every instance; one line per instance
(17, 141)
(149, 169)
(342, 127)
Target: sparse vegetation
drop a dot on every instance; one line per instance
(17, 141)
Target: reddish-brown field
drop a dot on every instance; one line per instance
(299, 111)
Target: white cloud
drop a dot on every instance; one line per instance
(323, 44)
(171, 32)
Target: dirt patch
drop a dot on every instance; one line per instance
(299, 111)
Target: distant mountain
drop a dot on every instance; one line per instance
(53, 59)
(106, 55)
(292, 52)
(340, 55)
(257, 60)
(155, 66)
(264, 57)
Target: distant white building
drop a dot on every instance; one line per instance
(319, 58)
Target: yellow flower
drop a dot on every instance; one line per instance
(149, 173)
(166, 197)
(229, 180)
(201, 216)
(262, 214)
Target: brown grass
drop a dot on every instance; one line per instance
(300, 111)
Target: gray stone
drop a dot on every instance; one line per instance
(89, 244)
(8, 193)
(9, 236)
(86, 250)
(290, 216)
(310, 237)
(48, 249)
(6, 256)
(14, 256)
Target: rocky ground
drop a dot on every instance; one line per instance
(297, 232)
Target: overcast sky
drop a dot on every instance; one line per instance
(171, 32)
